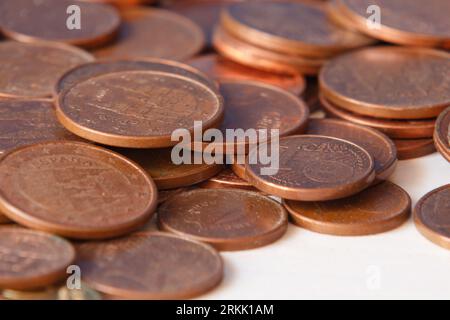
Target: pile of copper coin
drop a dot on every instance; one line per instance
(87, 178)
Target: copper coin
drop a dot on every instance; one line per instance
(150, 265)
(253, 56)
(377, 209)
(394, 128)
(137, 109)
(89, 192)
(154, 33)
(166, 174)
(442, 134)
(313, 168)
(432, 218)
(239, 170)
(31, 70)
(33, 21)
(226, 179)
(389, 82)
(32, 259)
(164, 195)
(225, 218)
(299, 28)
(403, 22)
(4, 219)
(123, 3)
(414, 148)
(25, 122)
(376, 143)
(218, 67)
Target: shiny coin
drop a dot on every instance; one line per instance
(442, 134)
(227, 219)
(414, 148)
(227, 179)
(377, 209)
(83, 293)
(89, 192)
(150, 266)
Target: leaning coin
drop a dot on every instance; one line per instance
(89, 193)
(414, 148)
(228, 219)
(83, 293)
(312, 168)
(32, 259)
(150, 265)
(432, 218)
(442, 134)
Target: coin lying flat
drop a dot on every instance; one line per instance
(407, 23)
(377, 144)
(150, 266)
(389, 82)
(227, 179)
(228, 219)
(432, 218)
(33, 21)
(313, 168)
(25, 122)
(177, 38)
(31, 70)
(377, 209)
(138, 109)
(89, 192)
(442, 134)
(32, 259)
(414, 148)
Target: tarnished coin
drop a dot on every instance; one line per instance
(154, 33)
(83, 293)
(376, 143)
(38, 294)
(218, 67)
(167, 175)
(432, 216)
(403, 22)
(89, 192)
(25, 122)
(227, 219)
(138, 109)
(442, 134)
(150, 266)
(389, 82)
(32, 259)
(313, 168)
(377, 209)
(414, 148)
(394, 128)
(32, 70)
(299, 28)
(227, 179)
(49, 20)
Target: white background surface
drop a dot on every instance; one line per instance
(307, 265)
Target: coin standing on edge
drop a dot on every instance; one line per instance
(32, 259)
(227, 219)
(150, 265)
(227, 179)
(377, 209)
(414, 148)
(89, 192)
(432, 216)
(442, 134)
(314, 168)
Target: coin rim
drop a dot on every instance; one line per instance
(439, 135)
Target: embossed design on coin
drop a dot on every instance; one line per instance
(442, 134)
(377, 209)
(137, 108)
(31, 259)
(227, 219)
(227, 179)
(150, 266)
(89, 192)
(314, 168)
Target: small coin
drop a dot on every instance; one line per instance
(238, 169)
(33, 21)
(227, 179)
(377, 209)
(164, 195)
(177, 38)
(89, 193)
(414, 148)
(41, 294)
(31, 70)
(376, 143)
(431, 216)
(32, 259)
(139, 109)
(83, 293)
(403, 22)
(25, 122)
(442, 134)
(313, 168)
(228, 219)
(150, 265)
(394, 128)
(167, 175)
(389, 82)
